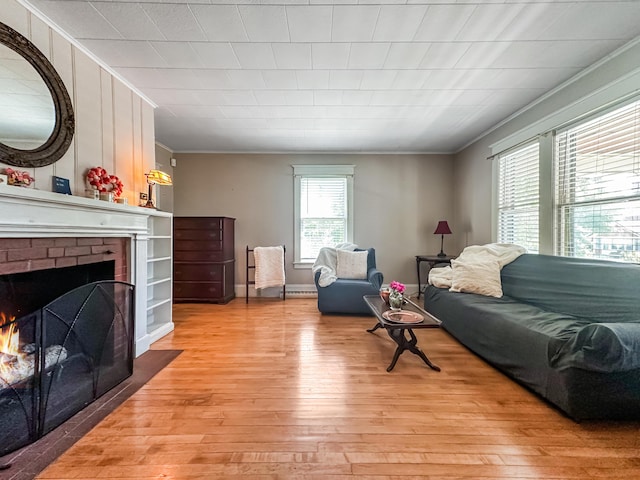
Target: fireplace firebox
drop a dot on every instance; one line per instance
(60, 357)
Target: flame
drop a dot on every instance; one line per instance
(17, 365)
(9, 335)
(9, 346)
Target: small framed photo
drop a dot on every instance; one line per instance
(4, 180)
(61, 185)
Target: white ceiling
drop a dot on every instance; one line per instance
(341, 75)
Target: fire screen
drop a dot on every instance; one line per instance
(59, 359)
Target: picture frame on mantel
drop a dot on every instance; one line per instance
(61, 185)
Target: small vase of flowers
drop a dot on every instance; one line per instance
(17, 178)
(108, 186)
(395, 295)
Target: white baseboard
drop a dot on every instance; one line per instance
(302, 290)
(292, 291)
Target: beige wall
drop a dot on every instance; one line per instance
(398, 201)
(114, 126)
(615, 78)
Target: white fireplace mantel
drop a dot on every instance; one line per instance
(29, 213)
(40, 213)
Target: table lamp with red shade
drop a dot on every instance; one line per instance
(442, 229)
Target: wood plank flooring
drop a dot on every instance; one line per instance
(276, 390)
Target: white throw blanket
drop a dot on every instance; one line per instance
(441, 277)
(269, 263)
(502, 253)
(327, 261)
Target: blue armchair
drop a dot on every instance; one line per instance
(345, 295)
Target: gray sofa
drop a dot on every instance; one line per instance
(345, 295)
(566, 328)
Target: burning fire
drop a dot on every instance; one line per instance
(17, 364)
(9, 340)
(11, 359)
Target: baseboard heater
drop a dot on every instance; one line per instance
(302, 293)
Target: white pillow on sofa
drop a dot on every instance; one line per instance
(482, 278)
(352, 265)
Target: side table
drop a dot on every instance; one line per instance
(432, 260)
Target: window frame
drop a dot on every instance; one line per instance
(565, 243)
(549, 209)
(319, 171)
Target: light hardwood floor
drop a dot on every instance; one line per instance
(275, 390)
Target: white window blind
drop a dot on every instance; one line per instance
(323, 209)
(518, 196)
(323, 214)
(598, 186)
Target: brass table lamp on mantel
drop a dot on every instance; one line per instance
(156, 177)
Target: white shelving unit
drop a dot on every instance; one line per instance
(159, 266)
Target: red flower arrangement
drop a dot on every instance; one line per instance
(397, 286)
(100, 180)
(21, 179)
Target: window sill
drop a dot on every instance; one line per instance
(302, 265)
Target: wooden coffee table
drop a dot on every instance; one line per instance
(398, 330)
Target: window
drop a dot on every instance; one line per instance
(323, 209)
(518, 196)
(597, 179)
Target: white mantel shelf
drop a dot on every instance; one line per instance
(29, 213)
(25, 210)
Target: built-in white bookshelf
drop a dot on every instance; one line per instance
(159, 275)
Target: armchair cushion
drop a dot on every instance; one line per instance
(352, 264)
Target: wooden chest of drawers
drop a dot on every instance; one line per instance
(203, 259)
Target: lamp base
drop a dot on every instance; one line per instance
(149, 203)
(441, 254)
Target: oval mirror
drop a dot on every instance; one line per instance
(37, 121)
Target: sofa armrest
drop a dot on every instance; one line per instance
(601, 347)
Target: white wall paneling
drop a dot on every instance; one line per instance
(114, 125)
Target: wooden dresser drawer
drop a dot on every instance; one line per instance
(198, 223)
(198, 272)
(197, 290)
(197, 256)
(206, 235)
(197, 246)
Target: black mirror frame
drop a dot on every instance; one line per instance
(58, 142)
